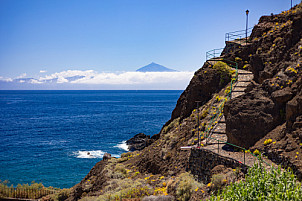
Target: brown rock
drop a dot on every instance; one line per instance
(203, 85)
(282, 96)
(250, 117)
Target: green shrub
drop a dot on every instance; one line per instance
(223, 68)
(218, 181)
(262, 185)
(63, 195)
(173, 124)
(33, 191)
(186, 186)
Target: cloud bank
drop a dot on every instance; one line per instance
(94, 80)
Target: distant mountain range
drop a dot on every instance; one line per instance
(154, 67)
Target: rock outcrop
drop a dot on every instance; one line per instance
(139, 142)
(204, 84)
(275, 49)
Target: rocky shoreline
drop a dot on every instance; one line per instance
(265, 119)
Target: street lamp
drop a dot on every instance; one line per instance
(291, 3)
(247, 17)
(198, 123)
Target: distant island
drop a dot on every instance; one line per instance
(154, 67)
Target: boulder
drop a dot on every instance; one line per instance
(282, 96)
(250, 117)
(293, 110)
(106, 156)
(139, 142)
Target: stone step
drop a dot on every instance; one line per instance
(237, 90)
(219, 132)
(241, 84)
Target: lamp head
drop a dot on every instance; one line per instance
(247, 12)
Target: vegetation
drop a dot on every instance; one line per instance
(262, 185)
(186, 186)
(224, 70)
(32, 191)
(173, 124)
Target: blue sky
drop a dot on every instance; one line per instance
(43, 37)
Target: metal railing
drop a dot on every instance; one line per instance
(238, 35)
(207, 134)
(213, 53)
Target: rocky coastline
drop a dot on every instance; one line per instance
(266, 119)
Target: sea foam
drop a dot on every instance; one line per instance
(89, 154)
(122, 145)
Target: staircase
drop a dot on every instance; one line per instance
(216, 139)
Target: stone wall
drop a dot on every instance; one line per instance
(202, 161)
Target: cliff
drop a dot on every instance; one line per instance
(270, 108)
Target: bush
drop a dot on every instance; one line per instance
(262, 185)
(186, 186)
(173, 124)
(224, 70)
(218, 181)
(63, 195)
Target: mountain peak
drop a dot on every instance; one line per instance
(154, 67)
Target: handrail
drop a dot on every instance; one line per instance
(207, 134)
(238, 35)
(213, 53)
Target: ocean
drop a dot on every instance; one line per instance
(46, 135)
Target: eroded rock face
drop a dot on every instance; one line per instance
(203, 85)
(139, 142)
(293, 110)
(250, 117)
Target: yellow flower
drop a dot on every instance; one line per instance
(196, 189)
(202, 191)
(267, 141)
(209, 184)
(256, 152)
(296, 153)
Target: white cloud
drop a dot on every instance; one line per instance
(43, 71)
(21, 76)
(124, 78)
(6, 79)
(90, 79)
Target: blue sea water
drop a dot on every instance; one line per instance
(45, 135)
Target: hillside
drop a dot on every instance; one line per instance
(269, 107)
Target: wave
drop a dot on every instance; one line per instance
(89, 154)
(122, 146)
(92, 154)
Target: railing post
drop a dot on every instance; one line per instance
(244, 157)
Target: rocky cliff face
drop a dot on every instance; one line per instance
(271, 109)
(274, 50)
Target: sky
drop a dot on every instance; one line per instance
(98, 44)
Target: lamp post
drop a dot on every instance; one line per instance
(247, 18)
(291, 4)
(197, 109)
